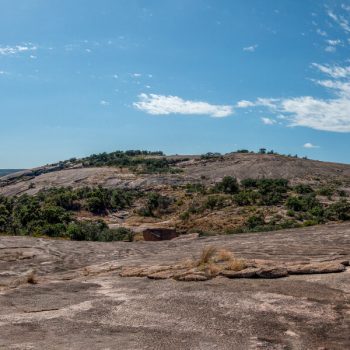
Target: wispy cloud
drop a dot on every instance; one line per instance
(268, 121)
(335, 72)
(104, 103)
(13, 50)
(164, 105)
(250, 48)
(321, 32)
(326, 114)
(310, 145)
(335, 42)
(340, 20)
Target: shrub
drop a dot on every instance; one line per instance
(246, 197)
(228, 185)
(339, 210)
(156, 204)
(97, 231)
(326, 191)
(270, 191)
(195, 187)
(303, 189)
(185, 216)
(255, 221)
(303, 203)
(214, 201)
(211, 155)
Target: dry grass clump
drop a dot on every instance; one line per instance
(207, 255)
(224, 255)
(236, 265)
(210, 263)
(213, 260)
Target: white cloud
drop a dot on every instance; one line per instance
(104, 103)
(244, 104)
(334, 42)
(268, 121)
(164, 105)
(250, 48)
(310, 145)
(12, 50)
(136, 75)
(332, 114)
(333, 71)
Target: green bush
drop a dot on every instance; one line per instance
(228, 185)
(246, 197)
(270, 191)
(303, 203)
(326, 191)
(255, 221)
(303, 189)
(338, 211)
(195, 188)
(214, 202)
(97, 231)
(156, 204)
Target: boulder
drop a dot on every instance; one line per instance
(159, 234)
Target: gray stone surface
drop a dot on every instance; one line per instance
(81, 302)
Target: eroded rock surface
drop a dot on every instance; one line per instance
(80, 301)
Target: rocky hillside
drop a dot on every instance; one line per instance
(186, 169)
(209, 194)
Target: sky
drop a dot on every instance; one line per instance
(185, 77)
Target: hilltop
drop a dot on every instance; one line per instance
(153, 170)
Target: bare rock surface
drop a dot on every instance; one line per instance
(239, 165)
(80, 301)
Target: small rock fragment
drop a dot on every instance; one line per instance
(246, 273)
(192, 277)
(272, 272)
(325, 267)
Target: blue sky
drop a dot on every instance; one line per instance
(185, 76)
